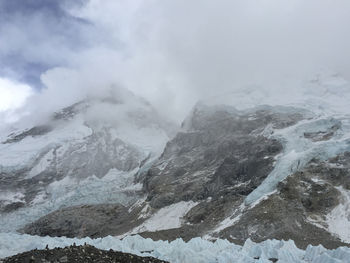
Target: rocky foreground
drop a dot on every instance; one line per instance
(74, 253)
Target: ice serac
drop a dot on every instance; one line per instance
(196, 250)
(87, 153)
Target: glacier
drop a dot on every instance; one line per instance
(298, 151)
(197, 250)
(115, 187)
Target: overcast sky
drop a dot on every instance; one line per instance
(173, 53)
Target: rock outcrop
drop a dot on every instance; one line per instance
(300, 207)
(219, 152)
(85, 220)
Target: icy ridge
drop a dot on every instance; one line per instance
(196, 250)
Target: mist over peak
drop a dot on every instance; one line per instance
(173, 53)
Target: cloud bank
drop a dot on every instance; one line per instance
(173, 53)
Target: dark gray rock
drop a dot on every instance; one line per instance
(324, 135)
(35, 131)
(7, 208)
(220, 151)
(305, 195)
(84, 221)
(69, 112)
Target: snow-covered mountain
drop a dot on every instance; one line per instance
(87, 153)
(113, 166)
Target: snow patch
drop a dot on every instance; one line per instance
(231, 220)
(145, 212)
(22, 153)
(11, 197)
(166, 218)
(338, 219)
(43, 164)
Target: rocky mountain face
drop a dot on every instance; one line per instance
(220, 152)
(304, 208)
(262, 173)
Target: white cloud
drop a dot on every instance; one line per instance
(13, 98)
(174, 53)
(177, 52)
(13, 95)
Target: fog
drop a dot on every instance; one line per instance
(174, 53)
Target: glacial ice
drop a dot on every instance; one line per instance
(298, 151)
(115, 187)
(196, 250)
